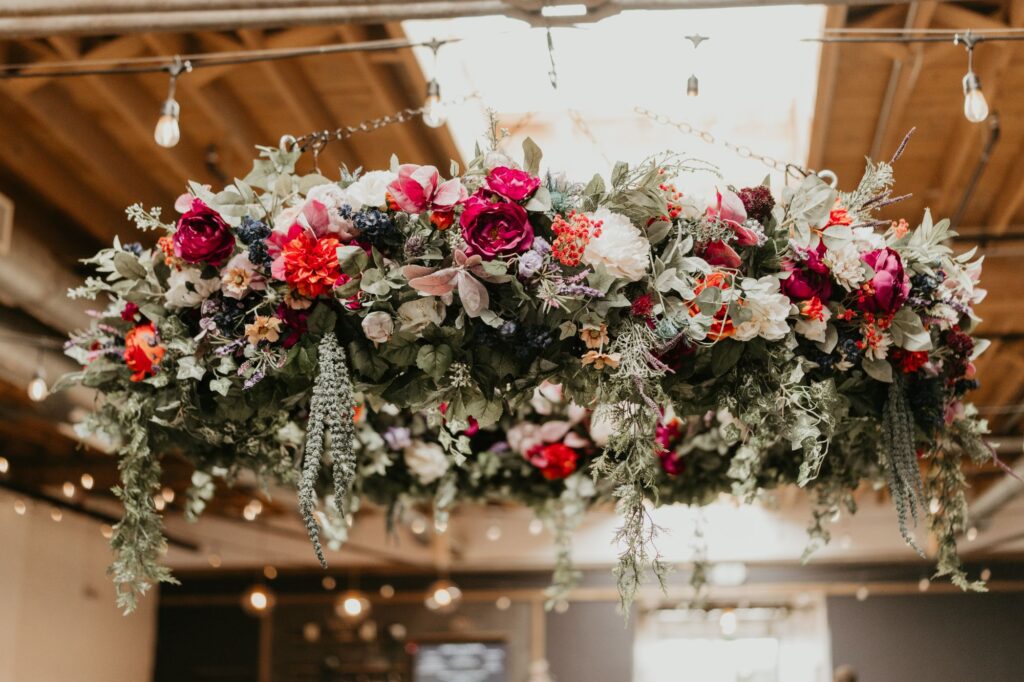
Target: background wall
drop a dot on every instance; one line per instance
(939, 638)
(57, 616)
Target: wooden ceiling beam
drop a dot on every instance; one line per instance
(387, 92)
(902, 80)
(956, 17)
(304, 102)
(835, 17)
(218, 106)
(83, 199)
(138, 113)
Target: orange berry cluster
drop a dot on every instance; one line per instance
(672, 196)
(573, 234)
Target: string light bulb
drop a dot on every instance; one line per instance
(352, 606)
(37, 388)
(975, 105)
(258, 600)
(168, 129)
(434, 114)
(443, 596)
(692, 86)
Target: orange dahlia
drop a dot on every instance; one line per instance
(310, 265)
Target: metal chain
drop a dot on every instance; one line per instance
(317, 140)
(743, 151)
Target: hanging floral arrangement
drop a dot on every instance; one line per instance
(697, 346)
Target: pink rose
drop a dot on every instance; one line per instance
(418, 189)
(808, 278)
(888, 288)
(202, 236)
(495, 228)
(513, 184)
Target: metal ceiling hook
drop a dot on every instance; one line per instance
(830, 177)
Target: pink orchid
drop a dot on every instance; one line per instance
(728, 209)
(418, 189)
(462, 275)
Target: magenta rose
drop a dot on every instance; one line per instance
(513, 184)
(808, 278)
(886, 291)
(495, 228)
(203, 236)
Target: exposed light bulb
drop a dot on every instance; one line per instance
(434, 114)
(5, 465)
(494, 533)
(168, 132)
(20, 507)
(862, 593)
(37, 388)
(352, 606)
(87, 481)
(692, 86)
(728, 623)
(536, 527)
(443, 596)
(975, 104)
(387, 591)
(258, 599)
(68, 489)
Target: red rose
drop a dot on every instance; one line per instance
(888, 287)
(202, 236)
(555, 461)
(142, 351)
(495, 228)
(513, 184)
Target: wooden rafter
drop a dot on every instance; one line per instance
(835, 17)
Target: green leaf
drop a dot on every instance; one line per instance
(879, 370)
(724, 356)
(188, 368)
(128, 265)
(540, 202)
(837, 236)
(434, 360)
(352, 259)
(221, 385)
(321, 321)
(908, 332)
(401, 349)
(658, 231)
(619, 173)
(531, 156)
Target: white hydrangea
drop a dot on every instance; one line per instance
(426, 461)
(621, 248)
(370, 189)
(765, 311)
(846, 266)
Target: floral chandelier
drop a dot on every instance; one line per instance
(503, 335)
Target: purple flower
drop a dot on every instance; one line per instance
(203, 236)
(513, 184)
(398, 437)
(808, 278)
(495, 228)
(530, 264)
(888, 288)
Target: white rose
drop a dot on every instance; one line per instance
(426, 461)
(767, 317)
(333, 197)
(378, 326)
(286, 218)
(415, 316)
(371, 189)
(621, 248)
(187, 289)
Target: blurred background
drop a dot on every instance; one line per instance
(253, 604)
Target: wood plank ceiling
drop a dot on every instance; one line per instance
(75, 152)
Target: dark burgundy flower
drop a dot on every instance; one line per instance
(888, 288)
(808, 278)
(202, 236)
(294, 324)
(757, 201)
(129, 312)
(495, 228)
(511, 183)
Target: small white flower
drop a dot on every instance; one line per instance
(880, 349)
(370, 189)
(333, 198)
(765, 310)
(523, 436)
(378, 326)
(866, 239)
(426, 461)
(240, 276)
(186, 288)
(622, 249)
(286, 218)
(814, 330)
(846, 266)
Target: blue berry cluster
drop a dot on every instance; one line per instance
(925, 284)
(532, 339)
(228, 313)
(851, 353)
(133, 247)
(373, 224)
(253, 233)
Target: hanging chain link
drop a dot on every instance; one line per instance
(316, 141)
(792, 170)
